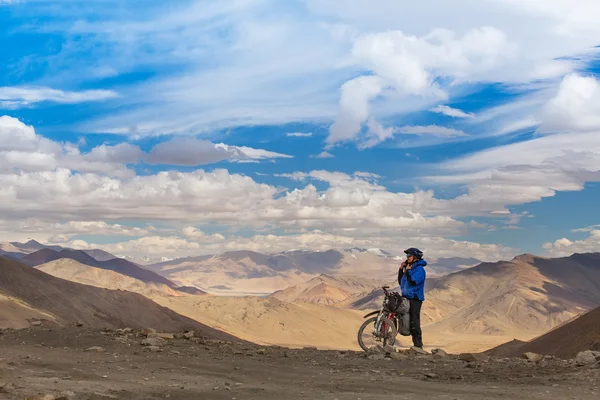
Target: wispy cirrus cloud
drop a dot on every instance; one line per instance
(451, 112)
(22, 96)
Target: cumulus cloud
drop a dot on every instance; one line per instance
(48, 230)
(575, 108)
(14, 97)
(410, 65)
(451, 112)
(565, 247)
(21, 148)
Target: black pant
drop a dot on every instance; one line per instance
(415, 322)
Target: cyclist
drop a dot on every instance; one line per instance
(411, 278)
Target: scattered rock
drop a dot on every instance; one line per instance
(310, 348)
(389, 349)
(376, 356)
(6, 387)
(431, 375)
(261, 351)
(97, 349)
(156, 341)
(587, 357)
(166, 336)
(439, 353)
(418, 350)
(36, 323)
(153, 349)
(79, 324)
(534, 357)
(66, 395)
(188, 335)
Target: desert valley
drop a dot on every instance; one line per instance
(295, 300)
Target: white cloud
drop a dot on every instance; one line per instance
(354, 108)
(451, 112)
(13, 97)
(409, 65)
(191, 152)
(22, 149)
(434, 130)
(565, 247)
(299, 134)
(575, 108)
(271, 70)
(46, 230)
(323, 154)
(587, 229)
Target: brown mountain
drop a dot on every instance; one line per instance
(521, 298)
(326, 289)
(39, 294)
(566, 341)
(74, 271)
(116, 264)
(251, 273)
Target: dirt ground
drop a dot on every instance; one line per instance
(52, 364)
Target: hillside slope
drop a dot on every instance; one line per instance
(69, 302)
(119, 265)
(74, 271)
(326, 289)
(566, 341)
(521, 298)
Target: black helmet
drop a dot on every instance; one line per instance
(415, 252)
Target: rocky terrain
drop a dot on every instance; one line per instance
(77, 363)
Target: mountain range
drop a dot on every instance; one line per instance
(28, 294)
(251, 273)
(41, 258)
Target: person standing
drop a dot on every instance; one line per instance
(411, 278)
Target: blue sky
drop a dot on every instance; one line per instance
(191, 127)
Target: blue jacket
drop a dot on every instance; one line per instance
(413, 281)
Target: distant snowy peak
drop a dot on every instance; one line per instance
(374, 250)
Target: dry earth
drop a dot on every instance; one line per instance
(273, 322)
(39, 363)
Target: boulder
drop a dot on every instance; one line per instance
(587, 357)
(96, 349)
(188, 335)
(166, 336)
(534, 357)
(439, 353)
